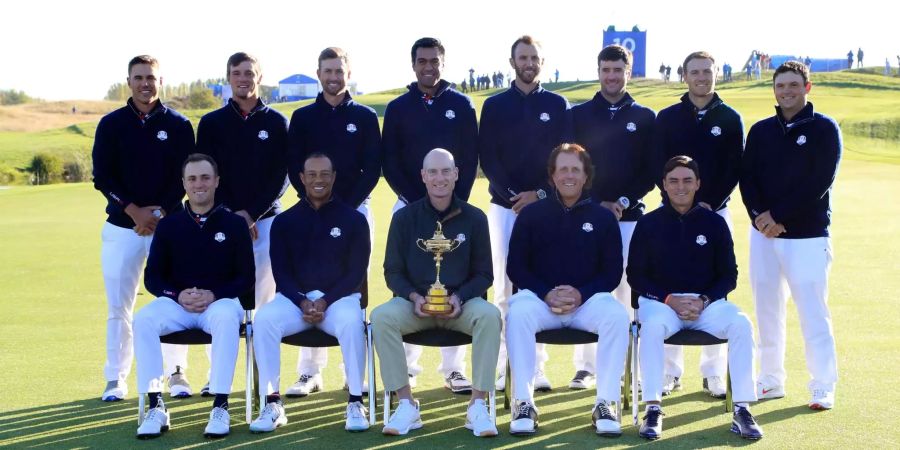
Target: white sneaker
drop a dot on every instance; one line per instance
(305, 385)
(219, 423)
(458, 383)
(479, 420)
(179, 387)
(821, 399)
(714, 386)
(405, 418)
(605, 421)
(271, 417)
(768, 391)
(671, 384)
(582, 380)
(524, 418)
(356, 416)
(500, 384)
(541, 383)
(114, 391)
(155, 422)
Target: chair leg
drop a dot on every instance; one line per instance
(729, 404)
(387, 406)
(492, 399)
(141, 407)
(507, 395)
(626, 379)
(248, 344)
(370, 349)
(635, 370)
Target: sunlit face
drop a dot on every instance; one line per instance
(527, 62)
(318, 178)
(791, 92)
(244, 79)
(681, 185)
(439, 173)
(427, 66)
(334, 74)
(144, 81)
(200, 182)
(569, 177)
(613, 76)
(700, 76)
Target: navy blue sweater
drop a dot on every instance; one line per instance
(466, 271)
(251, 153)
(217, 255)
(517, 134)
(553, 245)
(137, 159)
(415, 124)
(713, 136)
(325, 249)
(789, 168)
(674, 253)
(619, 139)
(348, 134)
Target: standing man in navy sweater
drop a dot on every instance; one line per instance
(682, 264)
(704, 128)
(200, 262)
(617, 132)
(786, 178)
(519, 129)
(248, 140)
(347, 132)
(137, 156)
(430, 115)
(320, 251)
(565, 255)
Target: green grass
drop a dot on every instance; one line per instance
(53, 307)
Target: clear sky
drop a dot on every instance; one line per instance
(75, 50)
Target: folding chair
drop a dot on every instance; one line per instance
(196, 336)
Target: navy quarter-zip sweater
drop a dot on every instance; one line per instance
(137, 159)
(674, 253)
(325, 249)
(712, 136)
(414, 124)
(466, 271)
(619, 139)
(789, 169)
(518, 131)
(348, 134)
(216, 255)
(251, 152)
(553, 245)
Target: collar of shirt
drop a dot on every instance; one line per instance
(804, 115)
(320, 100)
(602, 104)
(535, 91)
(259, 106)
(200, 219)
(158, 107)
(699, 113)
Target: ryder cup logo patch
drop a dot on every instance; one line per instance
(801, 140)
(351, 128)
(450, 114)
(263, 135)
(335, 232)
(162, 135)
(545, 117)
(701, 240)
(220, 236)
(587, 227)
(461, 238)
(631, 127)
(715, 131)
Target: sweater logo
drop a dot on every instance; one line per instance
(263, 135)
(715, 131)
(801, 139)
(587, 227)
(545, 117)
(335, 232)
(450, 114)
(630, 126)
(162, 135)
(351, 128)
(701, 240)
(220, 236)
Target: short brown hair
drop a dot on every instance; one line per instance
(236, 60)
(142, 59)
(697, 55)
(681, 161)
(334, 53)
(615, 52)
(524, 39)
(793, 66)
(197, 157)
(577, 150)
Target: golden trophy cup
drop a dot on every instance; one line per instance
(437, 301)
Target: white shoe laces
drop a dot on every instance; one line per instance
(356, 410)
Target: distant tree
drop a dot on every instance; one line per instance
(118, 92)
(14, 97)
(45, 168)
(202, 98)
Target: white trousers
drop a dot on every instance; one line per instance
(601, 314)
(500, 224)
(713, 360)
(280, 317)
(311, 361)
(801, 265)
(583, 354)
(122, 257)
(721, 319)
(222, 320)
(453, 359)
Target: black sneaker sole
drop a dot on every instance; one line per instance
(651, 437)
(737, 431)
(543, 389)
(524, 433)
(214, 435)
(145, 437)
(460, 391)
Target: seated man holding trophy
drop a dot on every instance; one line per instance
(419, 259)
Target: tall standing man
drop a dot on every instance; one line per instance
(430, 115)
(347, 132)
(519, 129)
(137, 156)
(786, 178)
(617, 133)
(711, 133)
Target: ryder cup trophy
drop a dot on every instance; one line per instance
(437, 301)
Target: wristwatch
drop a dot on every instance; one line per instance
(540, 194)
(706, 300)
(623, 200)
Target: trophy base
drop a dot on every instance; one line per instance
(437, 301)
(437, 308)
